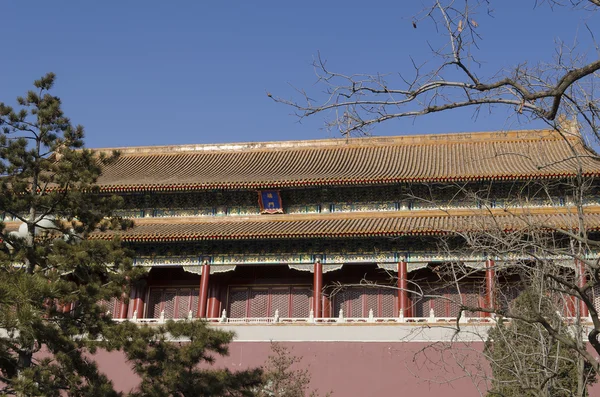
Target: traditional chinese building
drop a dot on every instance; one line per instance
(299, 241)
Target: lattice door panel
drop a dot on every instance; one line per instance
(280, 301)
(596, 297)
(169, 303)
(471, 297)
(154, 303)
(301, 302)
(263, 301)
(371, 298)
(354, 299)
(388, 303)
(259, 303)
(183, 303)
(176, 303)
(116, 305)
(195, 293)
(444, 302)
(433, 298)
(113, 306)
(238, 302)
(422, 305)
(339, 302)
(357, 302)
(453, 302)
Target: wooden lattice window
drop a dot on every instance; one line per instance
(301, 302)
(357, 302)
(112, 306)
(596, 297)
(169, 302)
(259, 303)
(173, 302)
(280, 301)
(183, 303)
(238, 303)
(255, 301)
(154, 303)
(388, 302)
(446, 301)
(422, 305)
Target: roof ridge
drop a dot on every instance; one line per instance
(422, 139)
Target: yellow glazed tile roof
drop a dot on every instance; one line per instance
(433, 222)
(334, 162)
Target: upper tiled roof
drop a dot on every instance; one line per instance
(376, 160)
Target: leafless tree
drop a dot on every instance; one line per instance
(563, 94)
(281, 378)
(455, 78)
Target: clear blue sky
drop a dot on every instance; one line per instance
(162, 72)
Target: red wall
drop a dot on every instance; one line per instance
(358, 369)
(351, 368)
(372, 369)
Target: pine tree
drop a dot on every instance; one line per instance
(175, 363)
(53, 278)
(524, 358)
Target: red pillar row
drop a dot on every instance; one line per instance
(203, 298)
(317, 289)
(404, 304)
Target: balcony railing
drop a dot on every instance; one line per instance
(340, 319)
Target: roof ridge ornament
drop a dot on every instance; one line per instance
(568, 126)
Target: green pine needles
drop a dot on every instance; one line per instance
(52, 277)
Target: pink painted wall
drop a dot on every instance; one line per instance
(358, 368)
(350, 368)
(374, 369)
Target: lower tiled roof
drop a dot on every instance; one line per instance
(352, 225)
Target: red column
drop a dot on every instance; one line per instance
(203, 298)
(490, 286)
(317, 287)
(214, 301)
(132, 301)
(404, 304)
(139, 302)
(67, 307)
(124, 306)
(583, 310)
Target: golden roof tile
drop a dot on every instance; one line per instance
(331, 162)
(354, 224)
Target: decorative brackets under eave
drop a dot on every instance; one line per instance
(411, 267)
(197, 269)
(311, 267)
